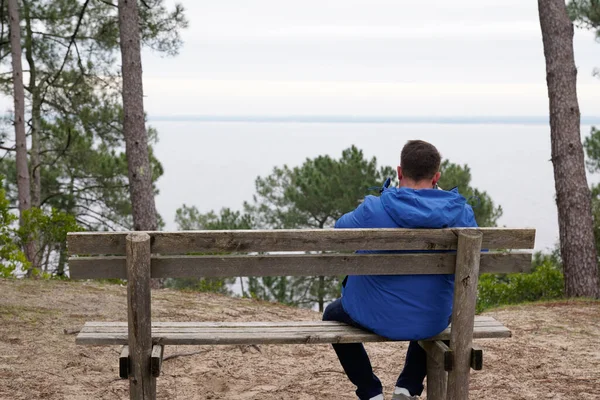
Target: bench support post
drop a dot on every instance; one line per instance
(463, 312)
(142, 386)
(439, 360)
(437, 380)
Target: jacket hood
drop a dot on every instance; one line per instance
(425, 208)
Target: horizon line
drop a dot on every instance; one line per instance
(340, 119)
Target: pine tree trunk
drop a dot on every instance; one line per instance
(36, 111)
(23, 183)
(36, 182)
(572, 193)
(136, 139)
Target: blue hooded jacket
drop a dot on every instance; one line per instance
(404, 307)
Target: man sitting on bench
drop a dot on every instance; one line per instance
(400, 307)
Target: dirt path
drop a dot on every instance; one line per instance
(554, 352)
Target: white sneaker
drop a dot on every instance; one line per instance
(400, 396)
(404, 395)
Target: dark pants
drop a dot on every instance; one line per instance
(356, 364)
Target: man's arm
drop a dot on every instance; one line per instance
(353, 219)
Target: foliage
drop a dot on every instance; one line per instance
(585, 14)
(49, 231)
(71, 50)
(454, 175)
(190, 218)
(11, 255)
(545, 282)
(213, 285)
(316, 193)
(591, 146)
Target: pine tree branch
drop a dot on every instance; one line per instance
(53, 35)
(101, 217)
(59, 156)
(108, 3)
(82, 189)
(71, 42)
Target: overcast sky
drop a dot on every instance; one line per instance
(361, 57)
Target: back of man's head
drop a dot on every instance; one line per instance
(419, 160)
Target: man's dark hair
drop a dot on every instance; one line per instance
(419, 160)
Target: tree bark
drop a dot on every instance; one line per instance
(572, 192)
(35, 165)
(23, 182)
(136, 138)
(36, 111)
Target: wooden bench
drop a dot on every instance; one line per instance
(139, 256)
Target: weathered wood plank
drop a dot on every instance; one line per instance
(139, 333)
(297, 265)
(298, 240)
(263, 338)
(166, 329)
(438, 352)
(476, 358)
(240, 331)
(156, 361)
(437, 380)
(479, 320)
(253, 334)
(124, 363)
(463, 313)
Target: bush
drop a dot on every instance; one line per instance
(11, 256)
(546, 282)
(212, 285)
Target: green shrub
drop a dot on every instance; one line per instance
(546, 282)
(213, 285)
(11, 256)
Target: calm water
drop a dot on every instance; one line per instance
(214, 164)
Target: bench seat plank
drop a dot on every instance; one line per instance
(228, 333)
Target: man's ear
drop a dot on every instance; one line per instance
(436, 178)
(399, 174)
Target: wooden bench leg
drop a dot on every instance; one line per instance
(157, 358)
(155, 361)
(477, 358)
(463, 313)
(437, 380)
(124, 363)
(142, 385)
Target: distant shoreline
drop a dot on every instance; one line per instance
(311, 119)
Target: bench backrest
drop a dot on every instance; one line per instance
(297, 252)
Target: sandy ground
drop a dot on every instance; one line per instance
(554, 352)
